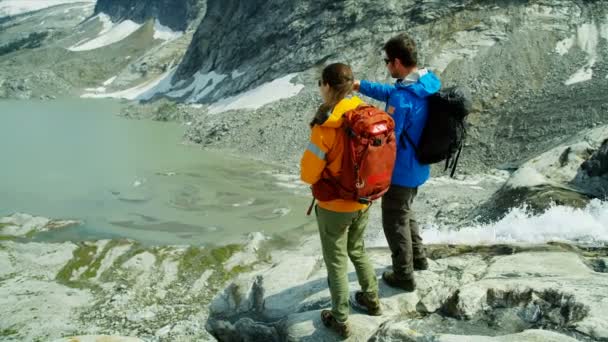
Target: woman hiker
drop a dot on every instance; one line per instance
(341, 222)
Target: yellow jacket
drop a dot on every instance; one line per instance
(324, 154)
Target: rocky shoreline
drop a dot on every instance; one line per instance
(267, 290)
(110, 287)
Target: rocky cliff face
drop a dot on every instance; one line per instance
(537, 70)
(177, 15)
(268, 39)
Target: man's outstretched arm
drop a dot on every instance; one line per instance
(377, 91)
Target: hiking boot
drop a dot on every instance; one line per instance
(405, 283)
(366, 302)
(342, 328)
(421, 264)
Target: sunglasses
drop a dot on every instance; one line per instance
(386, 61)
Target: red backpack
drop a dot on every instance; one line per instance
(367, 161)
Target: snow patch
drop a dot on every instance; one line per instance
(253, 99)
(163, 86)
(104, 20)
(131, 93)
(202, 85)
(164, 32)
(587, 38)
(236, 74)
(97, 90)
(109, 81)
(16, 7)
(563, 46)
(582, 75)
(108, 35)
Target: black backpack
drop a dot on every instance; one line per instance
(444, 132)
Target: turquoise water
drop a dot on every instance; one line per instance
(132, 178)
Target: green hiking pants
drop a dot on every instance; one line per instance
(342, 236)
(401, 229)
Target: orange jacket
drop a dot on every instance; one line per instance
(324, 154)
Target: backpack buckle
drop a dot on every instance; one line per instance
(364, 200)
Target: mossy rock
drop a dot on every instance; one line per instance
(6, 237)
(8, 332)
(83, 256)
(197, 260)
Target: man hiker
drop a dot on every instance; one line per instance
(406, 101)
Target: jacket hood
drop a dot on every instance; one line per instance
(423, 83)
(335, 118)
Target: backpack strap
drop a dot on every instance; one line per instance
(455, 162)
(312, 204)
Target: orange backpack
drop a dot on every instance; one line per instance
(368, 158)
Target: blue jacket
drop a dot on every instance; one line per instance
(406, 103)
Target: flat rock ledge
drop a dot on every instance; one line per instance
(25, 225)
(501, 293)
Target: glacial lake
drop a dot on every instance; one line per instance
(136, 179)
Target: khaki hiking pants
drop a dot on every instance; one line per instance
(342, 237)
(401, 229)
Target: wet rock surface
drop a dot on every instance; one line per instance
(570, 174)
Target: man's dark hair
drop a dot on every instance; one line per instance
(404, 48)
